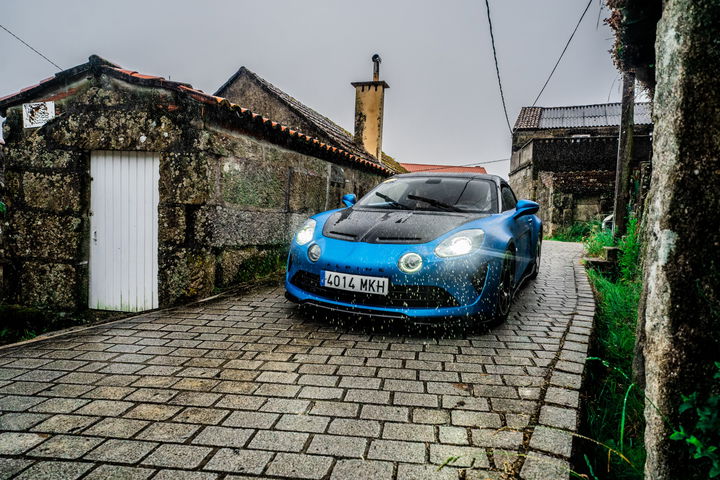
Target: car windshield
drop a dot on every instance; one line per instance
(446, 194)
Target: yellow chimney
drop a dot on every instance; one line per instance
(369, 100)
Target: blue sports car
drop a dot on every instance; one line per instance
(422, 247)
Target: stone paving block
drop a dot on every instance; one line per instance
(148, 411)
(206, 416)
(283, 405)
(552, 440)
(558, 417)
(9, 467)
(406, 452)
(279, 441)
(353, 427)
(302, 423)
(68, 447)
(52, 470)
(106, 408)
(117, 472)
(241, 402)
(338, 446)
(362, 470)
(223, 437)
(116, 428)
(497, 438)
(408, 431)
(475, 419)
(452, 402)
(16, 443)
(168, 432)
(427, 472)
(453, 435)
(251, 419)
(155, 395)
(20, 421)
(177, 456)
(293, 465)
(121, 451)
(272, 390)
(381, 412)
(65, 424)
(368, 396)
(468, 456)
(563, 396)
(542, 467)
(334, 409)
(321, 393)
(166, 474)
(426, 415)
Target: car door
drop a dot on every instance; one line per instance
(521, 229)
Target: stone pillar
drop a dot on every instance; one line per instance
(682, 257)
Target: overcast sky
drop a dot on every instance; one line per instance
(443, 104)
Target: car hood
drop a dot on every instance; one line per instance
(393, 226)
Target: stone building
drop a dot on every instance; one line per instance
(565, 158)
(128, 191)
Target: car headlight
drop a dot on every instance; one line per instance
(314, 252)
(306, 232)
(461, 243)
(410, 262)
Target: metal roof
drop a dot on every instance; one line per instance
(603, 115)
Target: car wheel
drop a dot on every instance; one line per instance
(505, 291)
(536, 263)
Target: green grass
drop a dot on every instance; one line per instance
(614, 410)
(577, 232)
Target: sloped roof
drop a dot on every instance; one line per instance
(272, 130)
(421, 167)
(334, 132)
(580, 116)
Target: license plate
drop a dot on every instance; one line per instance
(355, 283)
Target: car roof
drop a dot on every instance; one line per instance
(495, 178)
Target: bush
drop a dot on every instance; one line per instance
(577, 232)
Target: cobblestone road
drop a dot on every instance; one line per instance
(246, 387)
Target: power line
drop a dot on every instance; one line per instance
(562, 53)
(31, 48)
(497, 68)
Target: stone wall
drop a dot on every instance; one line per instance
(228, 198)
(569, 197)
(573, 178)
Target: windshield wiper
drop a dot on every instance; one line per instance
(392, 201)
(435, 203)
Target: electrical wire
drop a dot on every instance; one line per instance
(587, 7)
(497, 68)
(30, 47)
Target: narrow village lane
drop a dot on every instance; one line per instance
(247, 387)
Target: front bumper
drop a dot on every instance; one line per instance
(444, 287)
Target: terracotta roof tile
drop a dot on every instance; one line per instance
(421, 167)
(160, 82)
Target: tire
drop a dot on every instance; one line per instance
(536, 263)
(505, 292)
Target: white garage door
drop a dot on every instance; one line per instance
(124, 230)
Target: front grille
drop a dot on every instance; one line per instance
(411, 296)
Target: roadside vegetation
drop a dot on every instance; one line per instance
(613, 418)
(23, 323)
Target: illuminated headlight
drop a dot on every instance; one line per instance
(410, 263)
(314, 252)
(305, 234)
(461, 243)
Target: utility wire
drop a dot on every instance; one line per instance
(497, 68)
(562, 53)
(31, 48)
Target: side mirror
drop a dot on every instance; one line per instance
(525, 207)
(349, 199)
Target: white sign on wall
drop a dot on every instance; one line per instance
(37, 114)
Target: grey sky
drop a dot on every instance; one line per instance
(443, 105)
